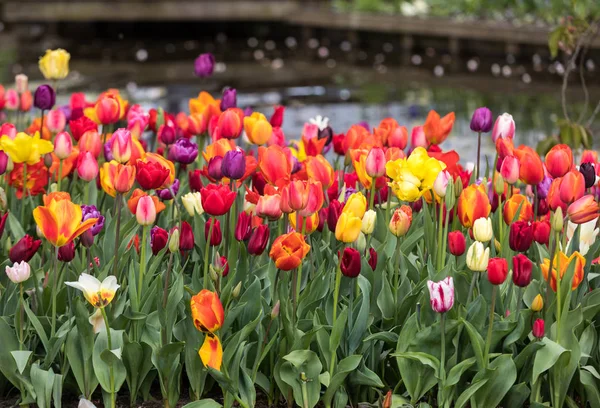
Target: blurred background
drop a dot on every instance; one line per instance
(349, 60)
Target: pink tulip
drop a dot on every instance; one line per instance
(375, 165)
(509, 170)
(88, 166)
(90, 142)
(441, 294)
(504, 127)
(19, 272)
(146, 211)
(441, 183)
(55, 121)
(12, 100)
(8, 129)
(417, 137)
(122, 145)
(63, 146)
(269, 206)
(21, 83)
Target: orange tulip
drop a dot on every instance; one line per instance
(90, 142)
(518, 202)
(393, 154)
(589, 156)
(211, 352)
(437, 129)
(167, 164)
(197, 124)
(258, 129)
(59, 219)
(531, 169)
(67, 165)
(289, 250)
(354, 137)
(553, 199)
(218, 148)
(583, 210)
(562, 263)
(390, 133)
(319, 169)
(572, 186)
(207, 311)
(116, 177)
(559, 160)
(107, 110)
(504, 147)
(205, 105)
(314, 202)
(311, 222)
(473, 204)
(132, 203)
(274, 165)
(229, 124)
(313, 146)
(359, 161)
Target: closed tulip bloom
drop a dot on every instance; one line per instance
(207, 311)
(80, 126)
(559, 160)
(184, 151)
(350, 262)
(204, 65)
(562, 263)
(63, 145)
(21, 83)
(99, 294)
(66, 253)
(186, 237)
(289, 250)
(417, 137)
(159, 238)
(229, 99)
(274, 164)
(146, 211)
(437, 129)
(55, 121)
(173, 240)
(401, 221)
(482, 120)
(166, 134)
(541, 232)
(315, 199)
(87, 169)
(116, 177)
(90, 142)
(229, 124)
(473, 203)
(583, 210)
(517, 203)
(195, 180)
(24, 249)
(478, 257)
(531, 168)
(258, 129)
(521, 236)
(572, 186)
(441, 294)
(122, 145)
(509, 170)
(269, 206)
(11, 100)
(319, 169)
(497, 271)
(372, 258)
(504, 127)
(55, 64)
(258, 240)
(375, 164)
(333, 214)
(456, 243)
(108, 109)
(215, 168)
(19, 272)
(538, 303)
(234, 164)
(217, 200)
(543, 189)
(192, 202)
(441, 183)
(348, 227)
(538, 328)
(356, 205)
(482, 229)
(368, 222)
(216, 236)
(243, 227)
(522, 267)
(151, 175)
(589, 174)
(44, 97)
(311, 223)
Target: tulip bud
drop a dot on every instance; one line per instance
(538, 328)
(482, 229)
(368, 222)
(66, 253)
(441, 294)
(375, 164)
(166, 134)
(258, 240)
(21, 83)
(557, 220)
(541, 232)
(48, 160)
(87, 169)
(456, 243)
(522, 267)
(174, 240)
(350, 262)
(497, 270)
(275, 310)
(216, 236)
(4, 159)
(538, 303)
(387, 401)
(146, 211)
(214, 168)
(361, 242)
(233, 165)
(24, 249)
(589, 174)
(478, 257)
(122, 145)
(481, 121)
(63, 146)
(19, 272)
(243, 228)
(214, 276)
(192, 202)
(158, 239)
(44, 97)
(441, 183)
(401, 220)
(335, 209)
(458, 187)
(235, 293)
(204, 65)
(373, 258)
(520, 236)
(504, 127)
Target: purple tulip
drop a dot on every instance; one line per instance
(482, 120)
(215, 168)
(3, 162)
(364, 124)
(248, 111)
(108, 155)
(234, 164)
(184, 151)
(544, 187)
(66, 109)
(204, 65)
(90, 211)
(44, 97)
(229, 99)
(165, 194)
(349, 192)
(296, 166)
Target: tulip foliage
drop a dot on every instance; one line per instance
(204, 257)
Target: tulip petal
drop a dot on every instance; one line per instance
(44, 218)
(211, 352)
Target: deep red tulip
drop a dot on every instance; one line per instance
(3, 223)
(216, 236)
(521, 236)
(66, 253)
(224, 265)
(158, 239)
(243, 228)
(195, 180)
(80, 126)
(335, 209)
(24, 249)
(350, 264)
(457, 243)
(258, 240)
(538, 328)
(522, 267)
(323, 213)
(186, 237)
(497, 271)
(541, 232)
(151, 175)
(217, 200)
(373, 258)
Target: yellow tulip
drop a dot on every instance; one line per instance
(24, 148)
(356, 205)
(348, 227)
(413, 176)
(55, 64)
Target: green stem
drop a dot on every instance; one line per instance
(443, 356)
(440, 231)
(472, 287)
(478, 154)
(212, 222)
(54, 290)
(299, 280)
(445, 240)
(58, 175)
(372, 195)
(336, 294)
(25, 192)
(397, 267)
(519, 301)
(549, 278)
(294, 296)
(116, 255)
(163, 330)
(112, 375)
(21, 316)
(86, 193)
(304, 391)
(488, 341)
(142, 270)
(558, 295)
(387, 207)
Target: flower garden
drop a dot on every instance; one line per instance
(205, 259)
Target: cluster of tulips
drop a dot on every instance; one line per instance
(219, 256)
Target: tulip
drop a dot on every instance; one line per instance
(401, 221)
(274, 165)
(473, 204)
(158, 239)
(557, 220)
(229, 99)
(522, 267)
(310, 223)
(589, 156)
(333, 214)
(531, 168)
(217, 200)
(55, 121)
(572, 186)
(368, 222)
(151, 175)
(90, 142)
(538, 303)
(221, 266)
(19, 272)
(146, 211)
(257, 128)
(89, 212)
(589, 174)
(99, 294)
(559, 160)
(108, 109)
(59, 220)
(583, 210)
(215, 168)
(456, 243)
(21, 83)
(169, 193)
(441, 183)
(541, 232)
(63, 145)
(55, 64)
(372, 258)
(587, 234)
(269, 206)
(24, 148)
(204, 65)
(3, 222)
(414, 175)
(562, 262)
(538, 329)
(4, 161)
(184, 151)
(116, 177)
(211, 352)
(478, 257)
(375, 162)
(24, 249)
(521, 236)
(437, 129)
(243, 228)
(350, 262)
(192, 202)
(509, 170)
(234, 164)
(228, 125)
(497, 270)
(216, 235)
(441, 294)
(356, 205)
(66, 253)
(289, 250)
(166, 134)
(186, 237)
(481, 121)
(195, 181)
(80, 126)
(517, 203)
(44, 97)
(121, 145)
(174, 240)
(504, 127)
(482, 229)
(258, 240)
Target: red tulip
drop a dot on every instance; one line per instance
(559, 160)
(522, 267)
(538, 328)
(258, 240)
(335, 209)
(350, 264)
(24, 249)
(541, 232)
(243, 228)
(497, 271)
(373, 258)
(158, 239)
(194, 177)
(80, 126)
(186, 237)
(216, 235)
(521, 236)
(531, 169)
(151, 175)
(457, 243)
(217, 200)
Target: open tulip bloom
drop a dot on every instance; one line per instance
(244, 260)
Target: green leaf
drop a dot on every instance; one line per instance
(592, 393)
(477, 343)
(38, 327)
(102, 360)
(43, 382)
(423, 358)
(501, 375)
(205, 403)
(337, 331)
(457, 371)
(345, 367)
(14, 226)
(517, 395)
(469, 392)
(21, 358)
(546, 357)
(359, 326)
(298, 365)
(385, 299)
